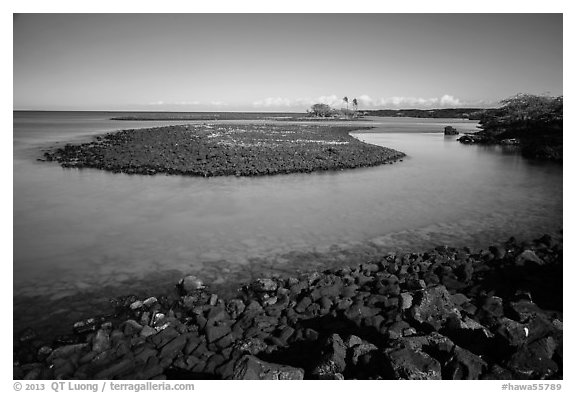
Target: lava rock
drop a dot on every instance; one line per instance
(264, 285)
(449, 130)
(359, 350)
(190, 284)
(491, 311)
(235, 307)
(406, 299)
(432, 306)
(164, 337)
(469, 333)
(101, 341)
(407, 363)
(251, 368)
(529, 365)
(524, 310)
(215, 332)
(85, 326)
(464, 365)
(528, 257)
(66, 351)
(173, 348)
(333, 358)
(511, 333)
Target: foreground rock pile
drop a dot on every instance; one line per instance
(224, 149)
(442, 314)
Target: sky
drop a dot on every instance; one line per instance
(281, 62)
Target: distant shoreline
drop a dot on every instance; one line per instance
(444, 113)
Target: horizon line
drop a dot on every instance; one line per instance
(232, 111)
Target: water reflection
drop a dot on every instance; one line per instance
(78, 231)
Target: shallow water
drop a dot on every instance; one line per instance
(78, 231)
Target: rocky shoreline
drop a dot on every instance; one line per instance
(225, 150)
(548, 148)
(442, 314)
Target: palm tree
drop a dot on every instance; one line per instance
(345, 99)
(355, 105)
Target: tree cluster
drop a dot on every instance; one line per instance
(324, 110)
(525, 111)
(321, 110)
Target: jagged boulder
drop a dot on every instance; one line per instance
(250, 367)
(408, 363)
(431, 307)
(333, 359)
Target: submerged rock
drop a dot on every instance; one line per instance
(190, 284)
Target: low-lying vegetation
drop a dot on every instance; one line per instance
(533, 122)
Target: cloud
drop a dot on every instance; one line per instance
(301, 103)
(332, 100)
(364, 102)
(174, 103)
(405, 102)
(218, 103)
(187, 103)
(272, 102)
(448, 100)
(410, 101)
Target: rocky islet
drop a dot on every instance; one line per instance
(442, 314)
(225, 150)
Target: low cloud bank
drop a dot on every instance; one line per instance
(364, 102)
(284, 104)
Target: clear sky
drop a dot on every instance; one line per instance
(281, 62)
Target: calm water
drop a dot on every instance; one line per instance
(79, 231)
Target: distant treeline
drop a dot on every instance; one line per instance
(450, 113)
